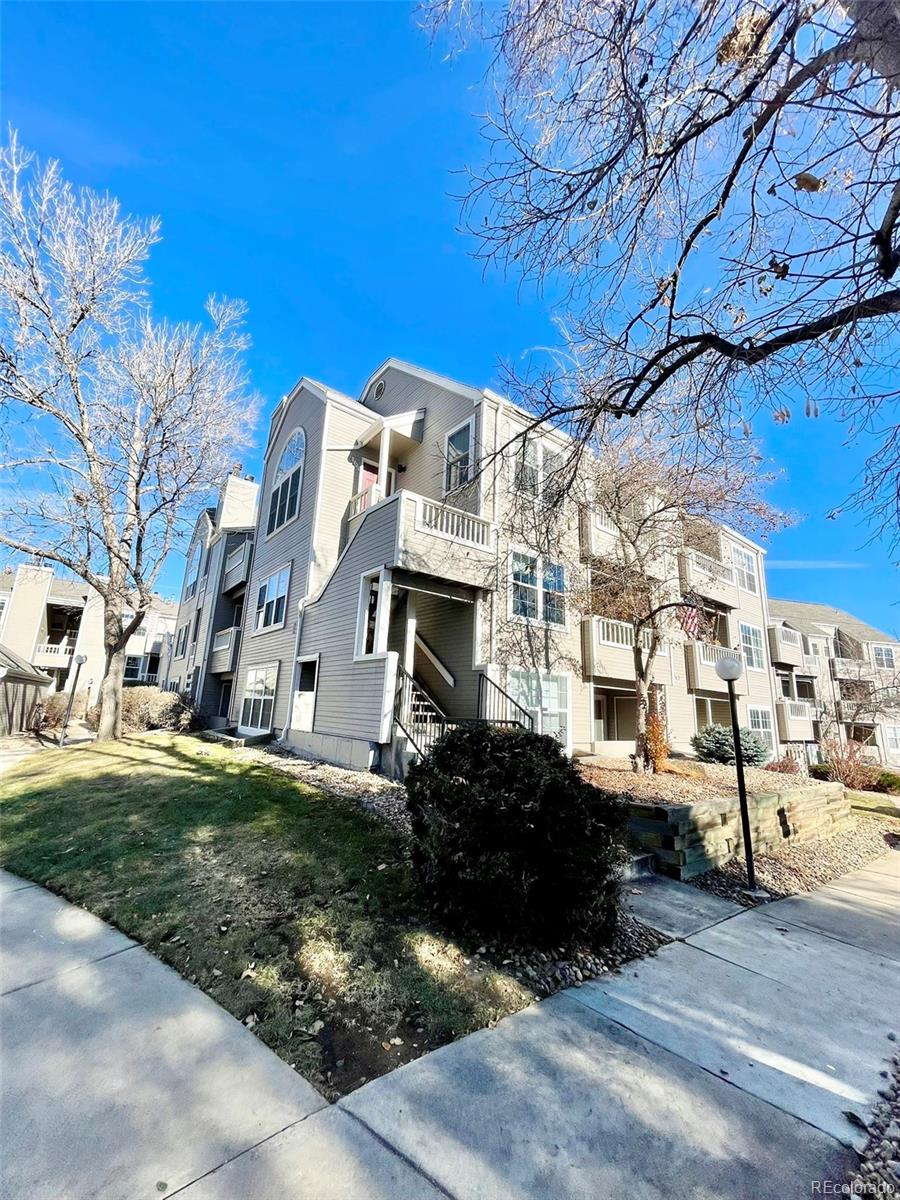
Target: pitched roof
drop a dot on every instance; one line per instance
(810, 618)
(20, 668)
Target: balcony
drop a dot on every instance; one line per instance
(708, 577)
(54, 654)
(428, 537)
(224, 654)
(785, 646)
(701, 659)
(598, 534)
(795, 720)
(811, 664)
(237, 567)
(608, 649)
(852, 668)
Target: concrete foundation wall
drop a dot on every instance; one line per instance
(342, 751)
(689, 839)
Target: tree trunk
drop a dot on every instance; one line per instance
(642, 696)
(110, 726)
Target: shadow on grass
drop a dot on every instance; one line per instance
(294, 908)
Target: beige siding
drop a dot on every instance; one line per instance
(350, 696)
(26, 609)
(288, 546)
(338, 483)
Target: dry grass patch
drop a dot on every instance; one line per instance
(293, 908)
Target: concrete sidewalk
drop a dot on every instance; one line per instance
(721, 1069)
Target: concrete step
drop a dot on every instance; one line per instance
(235, 740)
(639, 866)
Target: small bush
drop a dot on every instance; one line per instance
(715, 743)
(657, 745)
(820, 771)
(784, 766)
(510, 841)
(846, 764)
(885, 781)
(149, 708)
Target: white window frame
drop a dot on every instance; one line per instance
(264, 583)
(527, 443)
(742, 571)
(892, 737)
(282, 479)
(382, 615)
(885, 652)
(762, 646)
(537, 714)
(138, 658)
(181, 638)
(541, 565)
(448, 487)
(757, 709)
(253, 671)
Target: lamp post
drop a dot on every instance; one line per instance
(730, 669)
(80, 660)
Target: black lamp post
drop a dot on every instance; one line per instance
(730, 669)
(80, 660)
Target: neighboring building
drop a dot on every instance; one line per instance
(205, 646)
(838, 678)
(48, 620)
(22, 687)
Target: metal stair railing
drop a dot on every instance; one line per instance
(497, 707)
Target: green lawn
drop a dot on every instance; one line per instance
(294, 909)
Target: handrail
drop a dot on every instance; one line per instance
(61, 648)
(711, 653)
(455, 523)
(712, 566)
(791, 636)
(619, 633)
(492, 695)
(798, 709)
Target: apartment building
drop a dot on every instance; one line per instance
(209, 624)
(837, 678)
(392, 590)
(49, 620)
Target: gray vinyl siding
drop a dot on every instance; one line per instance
(288, 546)
(350, 694)
(448, 626)
(183, 667)
(444, 411)
(338, 485)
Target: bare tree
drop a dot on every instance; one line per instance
(649, 496)
(718, 184)
(116, 425)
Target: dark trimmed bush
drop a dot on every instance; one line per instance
(820, 771)
(886, 781)
(510, 841)
(715, 744)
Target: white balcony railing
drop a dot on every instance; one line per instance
(811, 662)
(710, 653)
(619, 633)
(56, 649)
(453, 523)
(367, 498)
(603, 522)
(790, 637)
(798, 710)
(222, 640)
(712, 566)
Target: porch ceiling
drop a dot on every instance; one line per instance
(412, 581)
(405, 429)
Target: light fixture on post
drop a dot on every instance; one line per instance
(730, 670)
(80, 660)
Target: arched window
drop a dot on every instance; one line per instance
(285, 496)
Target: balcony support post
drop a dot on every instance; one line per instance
(384, 455)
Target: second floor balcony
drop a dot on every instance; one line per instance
(608, 649)
(430, 537)
(236, 567)
(852, 668)
(54, 654)
(223, 656)
(701, 659)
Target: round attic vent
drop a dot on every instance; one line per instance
(378, 390)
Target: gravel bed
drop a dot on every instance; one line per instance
(878, 1173)
(384, 797)
(672, 788)
(800, 868)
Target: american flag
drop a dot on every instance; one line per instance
(689, 616)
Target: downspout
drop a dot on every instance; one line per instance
(300, 610)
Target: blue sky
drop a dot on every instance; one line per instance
(302, 157)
